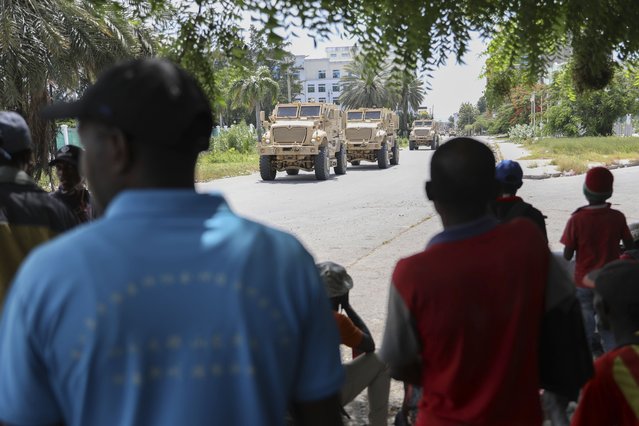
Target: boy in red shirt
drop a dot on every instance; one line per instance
(594, 232)
(612, 396)
(484, 317)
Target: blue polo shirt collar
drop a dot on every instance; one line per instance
(145, 202)
(465, 231)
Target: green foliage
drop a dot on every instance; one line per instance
(239, 138)
(561, 121)
(520, 133)
(52, 49)
(591, 112)
(467, 114)
(529, 33)
(501, 123)
(365, 87)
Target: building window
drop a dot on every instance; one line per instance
(321, 74)
(322, 99)
(345, 55)
(336, 101)
(333, 55)
(321, 88)
(336, 87)
(311, 88)
(336, 74)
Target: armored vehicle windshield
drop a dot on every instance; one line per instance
(354, 115)
(422, 123)
(310, 111)
(286, 111)
(373, 115)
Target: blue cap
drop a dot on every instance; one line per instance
(509, 172)
(14, 134)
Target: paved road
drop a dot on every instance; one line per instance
(370, 218)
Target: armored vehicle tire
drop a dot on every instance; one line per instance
(322, 164)
(395, 158)
(267, 171)
(382, 157)
(292, 172)
(355, 163)
(434, 144)
(411, 145)
(342, 162)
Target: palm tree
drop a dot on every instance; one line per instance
(253, 89)
(364, 86)
(409, 93)
(58, 46)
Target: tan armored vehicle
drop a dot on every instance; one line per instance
(424, 132)
(303, 136)
(371, 135)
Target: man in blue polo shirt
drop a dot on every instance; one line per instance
(170, 309)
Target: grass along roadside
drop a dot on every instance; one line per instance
(577, 154)
(217, 165)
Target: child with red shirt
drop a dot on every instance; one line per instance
(612, 396)
(594, 232)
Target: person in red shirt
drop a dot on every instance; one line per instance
(611, 397)
(483, 317)
(594, 232)
(365, 371)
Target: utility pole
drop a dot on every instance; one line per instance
(288, 85)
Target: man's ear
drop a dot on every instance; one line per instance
(430, 191)
(120, 152)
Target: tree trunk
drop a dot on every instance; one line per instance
(42, 132)
(258, 125)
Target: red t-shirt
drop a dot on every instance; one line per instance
(595, 233)
(612, 396)
(478, 321)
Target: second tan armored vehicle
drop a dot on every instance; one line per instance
(424, 132)
(303, 136)
(371, 135)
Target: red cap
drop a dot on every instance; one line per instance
(599, 181)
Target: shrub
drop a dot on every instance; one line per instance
(562, 121)
(239, 137)
(521, 133)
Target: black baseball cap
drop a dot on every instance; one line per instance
(151, 100)
(14, 134)
(67, 154)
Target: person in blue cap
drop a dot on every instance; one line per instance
(508, 205)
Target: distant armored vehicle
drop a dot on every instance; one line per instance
(303, 136)
(423, 133)
(371, 135)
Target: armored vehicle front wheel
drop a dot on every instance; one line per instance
(395, 158)
(434, 144)
(322, 164)
(342, 162)
(382, 157)
(355, 163)
(292, 172)
(267, 171)
(411, 145)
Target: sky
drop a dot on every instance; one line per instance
(450, 85)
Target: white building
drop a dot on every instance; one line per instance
(320, 77)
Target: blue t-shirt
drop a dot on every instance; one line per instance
(169, 310)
